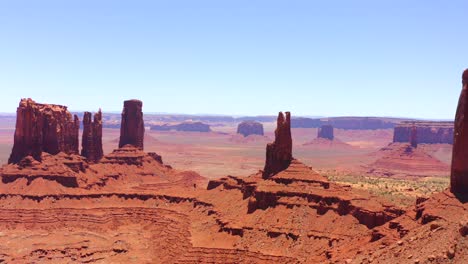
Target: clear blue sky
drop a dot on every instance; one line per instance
(320, 58)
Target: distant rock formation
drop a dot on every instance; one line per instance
(279, 153)
(414, 137)
(92, 137)
(428, 132)
(355, 123)
(402, 160)
(132, 129)
(326, 131)
(185, 126)
(459, 173)
(43, 128)
(247, 128)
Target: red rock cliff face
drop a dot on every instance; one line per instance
(279, 153)
(326, 131)
(92, 137)
(247, 128)
(43, 128)
(459, 173)
(428, 132)
(132, 128)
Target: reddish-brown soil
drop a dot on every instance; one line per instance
(323, 143)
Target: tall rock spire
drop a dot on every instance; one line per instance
(459, 173)
(279, 153)
(92, 137)
(132, 128)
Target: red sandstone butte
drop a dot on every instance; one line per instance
(247, 128)
(459, 174)
(43, 128)
(132, 128)
(279, 153)
(92, 137)
(326, 131)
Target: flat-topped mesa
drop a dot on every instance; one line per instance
(43, 128)
(326, 131)
(429, 132)
(459, 173)
(248, 128)
(132, 128)
(92, 137)
(279, 153)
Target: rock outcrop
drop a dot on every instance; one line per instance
(92, 137)
(185, 126)
(132, 128)
(428, 132)
(459, 173)
(326, 131)
(43, 128)
(247, 128)
(61, 168)
(279, 153)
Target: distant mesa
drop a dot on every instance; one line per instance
(185, 126)
(92, 137)
(279, 153)
(326, 132)
(132, 129)
(43, 128)
(355, 123)
(459, 172)
(406, 159)
(429, 132)
(248, 128)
